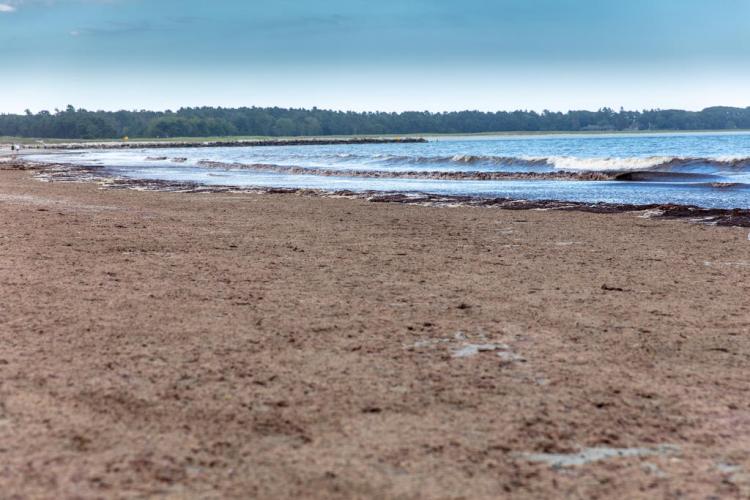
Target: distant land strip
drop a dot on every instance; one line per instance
(216, 144)
(81, 124)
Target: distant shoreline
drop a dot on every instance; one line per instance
(223, 144)
(155, 142)
(285, 122)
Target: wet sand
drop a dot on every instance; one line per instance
(207, 345)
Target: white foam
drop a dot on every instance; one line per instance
(463, 158)
(606, 164)
(731, 158)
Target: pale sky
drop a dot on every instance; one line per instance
(364, 55)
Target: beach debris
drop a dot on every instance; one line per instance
(420, 344)
(739, 263)
(590, 455)
(511, 357)
(462, 347)
(736, 476)
(651, 213)
(654, 469)
(469, 350)
(727, 468)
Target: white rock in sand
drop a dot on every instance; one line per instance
(470, 350)
(511, 357)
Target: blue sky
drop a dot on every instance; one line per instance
(368, 55)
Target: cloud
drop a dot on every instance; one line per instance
(113, 28)
(13, 5)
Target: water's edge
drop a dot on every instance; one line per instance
(81, 173)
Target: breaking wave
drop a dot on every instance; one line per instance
(407, 174)
(475, 167)
(647, 163)
(574, 163)
(697, 179)
(511, 163)
(461, 159)
(563, 163)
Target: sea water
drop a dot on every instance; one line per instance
(705, 169)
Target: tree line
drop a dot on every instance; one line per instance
(72, 123)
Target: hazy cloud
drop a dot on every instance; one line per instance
(13, 5)
(114, 28)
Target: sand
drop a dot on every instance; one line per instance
(185, 345)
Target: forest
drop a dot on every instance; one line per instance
(72, 123)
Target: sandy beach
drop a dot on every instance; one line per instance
(219, 345)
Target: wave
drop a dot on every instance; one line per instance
(648, 163)
(571, 163)
(725, 185)
(608, 165)
(408, 174)
(661, 176)
(465, 159)
(695, 179)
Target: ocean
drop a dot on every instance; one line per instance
(710, 170)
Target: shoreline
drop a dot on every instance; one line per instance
(222, 345)
(713, 216)
(25, 141)
(301, 141)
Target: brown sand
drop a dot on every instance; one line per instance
(282, 346)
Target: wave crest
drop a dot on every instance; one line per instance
(527, 163)
(574, 163)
